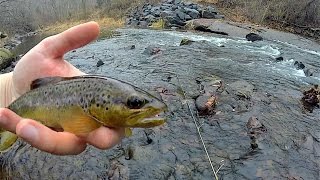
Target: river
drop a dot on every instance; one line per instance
(255, 85)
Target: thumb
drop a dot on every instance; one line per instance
(56, 46)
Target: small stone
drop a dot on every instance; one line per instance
(299, 65)
(167, 13)
(3, 35)
(100, 63)
(279, 59)
(170, 1)
(152, 50)
(143, 24)
(134, 22)
(185, 41)
(187, 17)
(255, 127)
(253, 123)
(205, 104)
(150, 18)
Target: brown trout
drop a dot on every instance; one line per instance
(82, 104)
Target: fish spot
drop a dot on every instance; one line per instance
(104, 101)
(107, 108)
(98, 105)
(108, 96)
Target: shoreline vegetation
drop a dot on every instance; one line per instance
(107, 26)
(297, 17)
(52, 17)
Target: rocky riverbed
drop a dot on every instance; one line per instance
(257, 127)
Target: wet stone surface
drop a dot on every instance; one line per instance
(254, 85)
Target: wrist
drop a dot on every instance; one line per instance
(7, 93)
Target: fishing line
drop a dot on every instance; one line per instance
(198, 129)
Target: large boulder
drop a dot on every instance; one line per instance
(209, 13)
(181, 15)
(6, 57)
(174, 21)
(253, 37)
(192, 13)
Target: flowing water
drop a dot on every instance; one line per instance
(271, 91)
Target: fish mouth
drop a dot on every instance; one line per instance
(156, 120)
(148, 118)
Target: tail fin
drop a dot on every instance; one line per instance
(7, 140)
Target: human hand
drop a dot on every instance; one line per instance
(46, 59)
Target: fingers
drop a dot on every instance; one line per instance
(9, 120)
(105, 138)
(59, 143)
(40, 136)
(45, 139)
(75, 37)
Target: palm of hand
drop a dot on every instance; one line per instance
(41, 61)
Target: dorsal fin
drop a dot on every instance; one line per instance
(47, 80)
(55, 79)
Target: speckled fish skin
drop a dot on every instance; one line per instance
(84, 103)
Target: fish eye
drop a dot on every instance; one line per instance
(135, 102)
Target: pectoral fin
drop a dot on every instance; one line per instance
(7, 140)
(127, 132)
(79, 123)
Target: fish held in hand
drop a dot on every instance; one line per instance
(82, 104)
